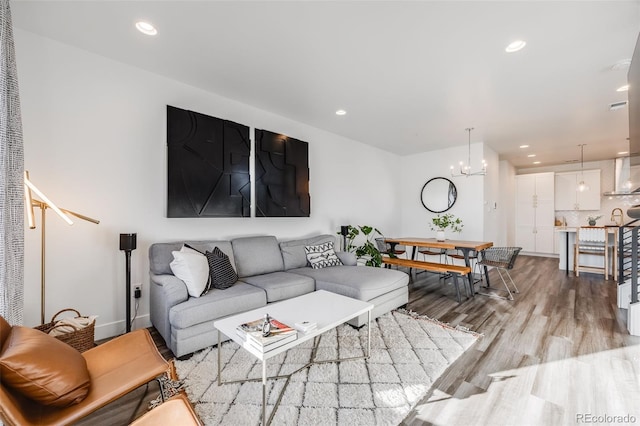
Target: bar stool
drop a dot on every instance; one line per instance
(591, 240)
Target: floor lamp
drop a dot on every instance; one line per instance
(43, 204)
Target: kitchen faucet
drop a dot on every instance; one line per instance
(617, 216)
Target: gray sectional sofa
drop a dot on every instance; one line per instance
(268, 271)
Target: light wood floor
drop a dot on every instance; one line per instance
(559, 350)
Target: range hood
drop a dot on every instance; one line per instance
(627, 179)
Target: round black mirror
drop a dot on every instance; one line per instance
(438, 195)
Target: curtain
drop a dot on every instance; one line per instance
(11, 178)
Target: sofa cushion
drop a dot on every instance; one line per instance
(360, 282)
(217, 304)
(43, 368)
(221, 272)
(257, 255)
(322, 255)
(293, 253)
(282, 285)
(160, 255)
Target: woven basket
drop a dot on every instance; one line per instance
(80, 339)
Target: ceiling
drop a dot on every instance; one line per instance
(411, 75)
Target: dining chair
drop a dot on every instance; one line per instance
(591, 240)
(503, 260)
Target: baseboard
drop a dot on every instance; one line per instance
(116, 328)
(624, 294)
(633, 319)
(531, 253)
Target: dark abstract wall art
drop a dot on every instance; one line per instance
(281, 175)
(208, 166)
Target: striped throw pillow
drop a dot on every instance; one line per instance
(221, 271)
(322, 255)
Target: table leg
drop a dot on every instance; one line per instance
(368, 333)
(219, 350)
(566, 253)
(264, 392)
(467, 262)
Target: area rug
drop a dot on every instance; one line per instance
(408, 353)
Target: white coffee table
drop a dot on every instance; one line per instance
(327, 309)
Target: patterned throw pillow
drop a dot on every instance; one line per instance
(322, 255)
(222, 273)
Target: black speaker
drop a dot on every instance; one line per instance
(344, 230)
(127, 241)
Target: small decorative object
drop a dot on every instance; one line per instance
(266, 326)
(593, 219)
(442, 222)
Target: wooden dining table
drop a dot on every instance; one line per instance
(466, 247)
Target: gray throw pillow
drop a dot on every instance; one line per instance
(221, 271)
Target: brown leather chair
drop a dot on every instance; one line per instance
(115, 368)
(174, 411)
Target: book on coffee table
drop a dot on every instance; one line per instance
(279, 335)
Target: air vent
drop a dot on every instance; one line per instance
(617, 105)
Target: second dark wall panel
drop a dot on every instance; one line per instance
(282, 176)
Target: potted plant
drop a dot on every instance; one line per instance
(441, 222)
(592, 220)
(366, 252)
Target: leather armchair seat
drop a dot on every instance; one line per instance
(115, 368)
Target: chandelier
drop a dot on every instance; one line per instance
(466, 170)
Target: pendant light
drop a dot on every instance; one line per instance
(466, 170)
(582, 186)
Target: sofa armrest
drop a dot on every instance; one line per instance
(347, 258)
(166, 291)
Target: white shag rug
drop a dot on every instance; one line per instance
(408, 353)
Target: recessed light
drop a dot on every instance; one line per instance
(623, 88)
(515, 46)
(146, 28)
(531, 155)
(341, 112)
(623, 152)
(524, 146)
(536, 162)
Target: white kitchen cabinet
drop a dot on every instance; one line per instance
(535, 212)
(568, 197)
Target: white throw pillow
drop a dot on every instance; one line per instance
(192, 268)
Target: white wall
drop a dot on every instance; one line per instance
(418, 169)
(506, 203)
(492, 205)
(95, 143)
